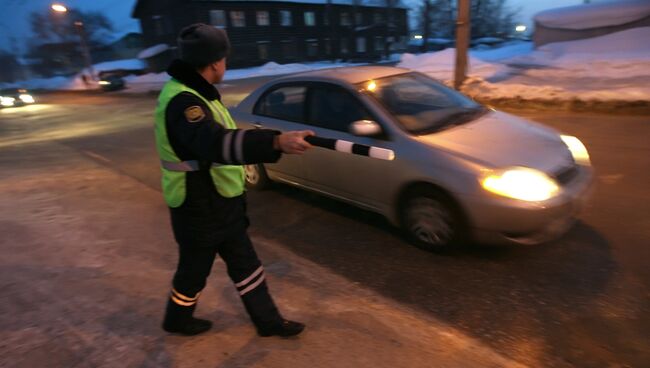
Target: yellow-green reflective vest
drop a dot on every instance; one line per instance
(228, 179)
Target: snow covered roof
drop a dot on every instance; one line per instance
(125, 64)
(594, 15)
(373, 3)
(153, 51)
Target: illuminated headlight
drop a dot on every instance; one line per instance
(520, 183)
(7, 101)
(26, 98)
(578, 150)
(104, 83)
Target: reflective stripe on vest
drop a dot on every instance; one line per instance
(228, 179)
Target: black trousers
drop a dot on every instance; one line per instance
(200, 240)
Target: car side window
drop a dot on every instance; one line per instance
(335, 108)
(285, 103)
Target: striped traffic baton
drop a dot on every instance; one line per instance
(349, 147)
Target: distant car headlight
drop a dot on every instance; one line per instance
(7, 101)
(104, 82)
(26, 98)
(578, 150)
(520, 183)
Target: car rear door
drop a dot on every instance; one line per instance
(282, 108)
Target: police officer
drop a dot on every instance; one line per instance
(202, 153)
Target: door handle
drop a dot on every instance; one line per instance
(257, 125)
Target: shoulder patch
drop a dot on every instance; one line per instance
(194, 114)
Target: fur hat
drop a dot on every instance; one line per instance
(201, 44)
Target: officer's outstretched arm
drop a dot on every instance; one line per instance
(194, 134)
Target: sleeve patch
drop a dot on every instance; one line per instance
(194, 114)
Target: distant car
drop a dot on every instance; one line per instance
(16, 97)
(461, 171)
(111, 82)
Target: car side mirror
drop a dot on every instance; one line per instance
(365, 128)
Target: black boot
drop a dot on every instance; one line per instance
(178, 319)
(285, 328)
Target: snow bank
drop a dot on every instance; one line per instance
(594, 15)
(611, 67)
(440, 65)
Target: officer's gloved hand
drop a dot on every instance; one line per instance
(293, 141)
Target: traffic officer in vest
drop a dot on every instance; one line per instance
(202, 153)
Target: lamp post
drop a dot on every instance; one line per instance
(79, 26)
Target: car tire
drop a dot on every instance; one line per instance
(431, 220)
(256, 177)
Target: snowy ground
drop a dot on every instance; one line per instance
(615, 67)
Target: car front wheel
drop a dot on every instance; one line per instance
(431, 221)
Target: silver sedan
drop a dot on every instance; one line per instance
(461, 171)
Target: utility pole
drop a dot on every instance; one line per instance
(79, 26)
(462, 42)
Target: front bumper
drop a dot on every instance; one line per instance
(495, 219)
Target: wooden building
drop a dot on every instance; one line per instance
(283, 30)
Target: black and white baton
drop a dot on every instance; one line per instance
(349, 147)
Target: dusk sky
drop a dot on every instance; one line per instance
(15, 14)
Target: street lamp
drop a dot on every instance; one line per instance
(79, 26)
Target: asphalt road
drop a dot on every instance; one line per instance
(582, 300)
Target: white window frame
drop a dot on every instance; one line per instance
(379, 43)
(286, 19)
(310, 18)
(345, 19)
(344, 49)
(263, 18)
(260, 43)
(236, 20)
(362, 44)
(218, 16)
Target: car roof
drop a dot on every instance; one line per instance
(348, 74)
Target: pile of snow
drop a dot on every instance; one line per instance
(610, 67)
(440, 65)
(594, 15)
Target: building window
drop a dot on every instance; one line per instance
(379, 17)
(218, 18)
(345, 19)
(379, 43)
(358, 18)
(262, 18)
(361, 44)
(312, 48)
(289, 49)
(328, 47)
(263, 50)
(238, 18)
(326, 18)
(344, 45)
(158, 25)
(310, 18)
(285, 18)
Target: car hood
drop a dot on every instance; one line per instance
(500, 140)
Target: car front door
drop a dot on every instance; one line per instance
(331, 110)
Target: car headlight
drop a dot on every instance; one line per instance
(7, 101)
(578, 150)
(26, 98)
(520, 183)
(104, 82)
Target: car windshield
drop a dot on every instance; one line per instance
(421, 104)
